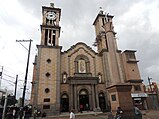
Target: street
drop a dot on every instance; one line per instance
(92, 115)
(151, 115)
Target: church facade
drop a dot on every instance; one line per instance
(79, 76)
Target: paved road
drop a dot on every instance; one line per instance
(151, 115)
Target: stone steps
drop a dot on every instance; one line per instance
(85, 115)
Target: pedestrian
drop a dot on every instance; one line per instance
(119, 113)
(20, 113)
(81, 108)
(138, 113)
(14, 113)
(87, 106)
(9, 114)
(34, 112)
(27, 114)
(43, 114)
(72, 115)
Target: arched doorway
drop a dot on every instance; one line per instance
(84, 99)
(64, 103)
(102, 104)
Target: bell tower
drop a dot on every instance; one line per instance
(107, 48)
(50, 29)
(48, 63)
(103, 27)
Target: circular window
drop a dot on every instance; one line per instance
(47, 90)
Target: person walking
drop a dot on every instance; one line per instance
(14, 113)
(87, 106)
(9, 114)
(34, 112)
(138, 113)
(81, 108)
(72, 115)
(119, 113)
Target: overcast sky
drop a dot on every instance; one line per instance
(135, 21)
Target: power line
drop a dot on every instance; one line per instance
(8, 80)
(9, 76)
(22, 44)
(8, 71)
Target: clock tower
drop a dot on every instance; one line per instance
(48, 61)
(50, 29)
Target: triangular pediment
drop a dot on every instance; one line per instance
(80, 46)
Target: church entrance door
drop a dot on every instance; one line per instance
(64, 103)
(84, 100)
(102, 104)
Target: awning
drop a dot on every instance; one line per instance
(138, 95)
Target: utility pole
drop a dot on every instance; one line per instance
(15, 91)
(1, 72)
(26, 74)
(5, 104)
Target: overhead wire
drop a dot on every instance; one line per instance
(10, 82)
(9, 76)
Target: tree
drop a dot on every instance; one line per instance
(10, 100)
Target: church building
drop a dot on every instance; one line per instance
(79, 76)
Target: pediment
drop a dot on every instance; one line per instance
(80, 47)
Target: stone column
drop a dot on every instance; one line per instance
(107, 102)
(71, 97)
(90, 101)
(75, 97)
(77, 101)
(97, 100)
(93, 97)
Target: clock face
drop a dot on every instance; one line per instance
(51, 15)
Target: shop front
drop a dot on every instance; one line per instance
(139, 100)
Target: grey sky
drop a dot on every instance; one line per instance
(136, 24)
